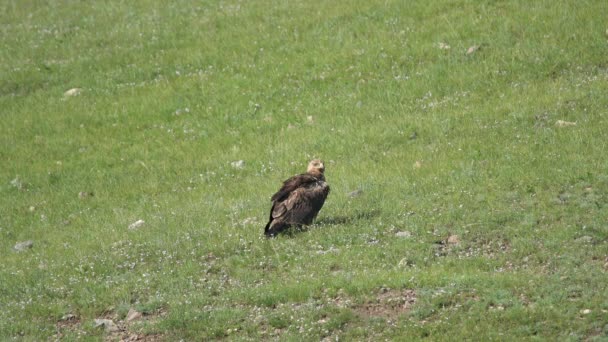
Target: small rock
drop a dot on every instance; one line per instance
(22, 246)
(67, 317)
(585, 239)
(562, 123)
(417, 164)
(107, 324)
(404, 234)
(133, 315)
(179, 111)
(249, 220)
(472, 49)
(413, 136)
(17, 183)
(563, 197)
(72, 92)
(355, 193)
(443, 46)
(453, 240)
(330, 250)
(137, 224)
(310, 119)
(585, 311)
(405, 262)
(238, 164)
(85, 194)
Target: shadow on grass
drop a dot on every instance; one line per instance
(339, 220)
(347, 219)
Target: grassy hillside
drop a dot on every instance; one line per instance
(473, 133)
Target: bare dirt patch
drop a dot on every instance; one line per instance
(127, 337)
(388, 304)
(67, 324)
(465, 248)
(71, 324)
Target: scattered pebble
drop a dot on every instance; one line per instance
(180, 111)
(404, 262)
(107, 324)
(17, 183)
(453, 239)
(355, 193)
(68, 317)
(330, 250)
(23, 246)
(72, 92)
(562, 123)
(417, 164)
(585, 311)
(443, 46)
(137, 224)
(85, 194)
(133, 315)
(472, 49)
(238, 164)
(249, 220)
(404, 234)
(585, 239)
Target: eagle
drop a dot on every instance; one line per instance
(299, 200)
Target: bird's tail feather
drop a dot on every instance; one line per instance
(274, 227)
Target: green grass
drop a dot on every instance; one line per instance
(172, 94)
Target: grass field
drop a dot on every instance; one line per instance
(474, 134)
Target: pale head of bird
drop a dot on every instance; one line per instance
(316, 166)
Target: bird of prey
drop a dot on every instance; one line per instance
(299, 200)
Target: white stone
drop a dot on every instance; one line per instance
(137, 224)
(72, 92)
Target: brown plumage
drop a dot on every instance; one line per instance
(299, 200)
